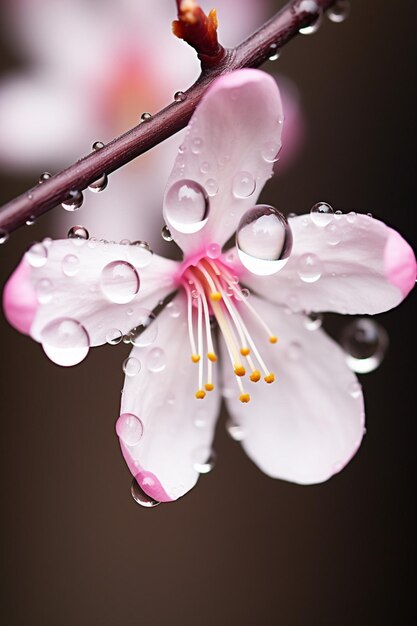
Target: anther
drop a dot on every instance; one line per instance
(200, 394)
(270, 378)
(244, 351)
(211, 357)
(273, 339)
(216, 296)
(244, 397)
(209, 387)
(255, 376)
(240, 370)
(195, 358)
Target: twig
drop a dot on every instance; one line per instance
(252, 52)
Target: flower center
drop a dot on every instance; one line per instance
(213, 291)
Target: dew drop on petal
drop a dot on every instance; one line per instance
(119, 282)
(146, 330)
(186, 206)
(365, 343)
(4, 236)
(313, 321)
(129, 428)
(339, 11)
(213, 251)
(44, 177)
(243, 185)
(263, 240)
(179, 96)
(211, 186)
(333, 233)
(44, 290)
(203, 459)
(140, 497)
(74, 201)
(156, 360)
(351, 217)
(236, 431)
(310, 268)
(197, 145)
(37, 255)
(114, 336)
(131, 366)
(166, 234)
(139, 253)
(321, 214)
(100, 184)
(65, 341)
(355, 389)
(204, 167)
(294, 350)
(70, 265)
(270, 151)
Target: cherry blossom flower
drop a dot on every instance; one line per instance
(297, 406)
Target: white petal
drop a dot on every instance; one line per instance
(370, 270)
(177, 428)
(309, 423)
(103, 288)
(229, 149)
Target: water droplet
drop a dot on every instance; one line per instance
(139, 253)
(119, 282)
(204, 167)
(273, 52)
(263, 240)
(44, 177)
(310, 268)
(355, 389)
(213, 251)
(44, 290)
(321, 214)
(4, 236)
(78, 232)
(65, 341)
(270, 151)
(313, 321)
(186, 206)
(74, 201)
(141, 497)
(334, 233)
(173, 309)
(129, 428)
(97, 145)
(294, 350)
(70, 265)
(30, 220)
(131, 366)
(243, 185)
(339, 11)
(236, 431)
(146, 331)
(365, 343)
(166, 234)
(179, 96)
(100, 184)
(203, 460)
(351, 217)
(156, 360)
(338, 215)
(196, 145)
(145, 117)
(211, 186)
(37, 255)
(114, 336)
(309, 6)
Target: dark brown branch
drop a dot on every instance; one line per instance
(256, 49)
(199, 31)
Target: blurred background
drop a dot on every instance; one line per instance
(240, 548)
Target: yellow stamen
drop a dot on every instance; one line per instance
(273, 339)
(244, 351)
(270, 378)
(240, 370)
(200, 394)
(244, 397)
(216, 296)
(195, 358)
(211, 357)
(255, 376)
(209, 386)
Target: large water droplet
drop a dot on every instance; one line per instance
(119, 282)
(37, 255)
(100, 184)
(310, 268)
(146, 331)
(139, 253)
(186, 206)
(321, 214)
(339, 11)
(65, 341)
(74, 201)
(309, 6)
(243, 185)
(204, 460)
(365, 343)
(70, 265)
(131, 366)
(129, 428)
(263, 240)
(4, 235)
(141, 497)
(156, 360)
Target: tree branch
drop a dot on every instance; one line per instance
(252, 52)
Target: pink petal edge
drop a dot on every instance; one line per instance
(400, 263)
(19, 299)
(146, 480)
